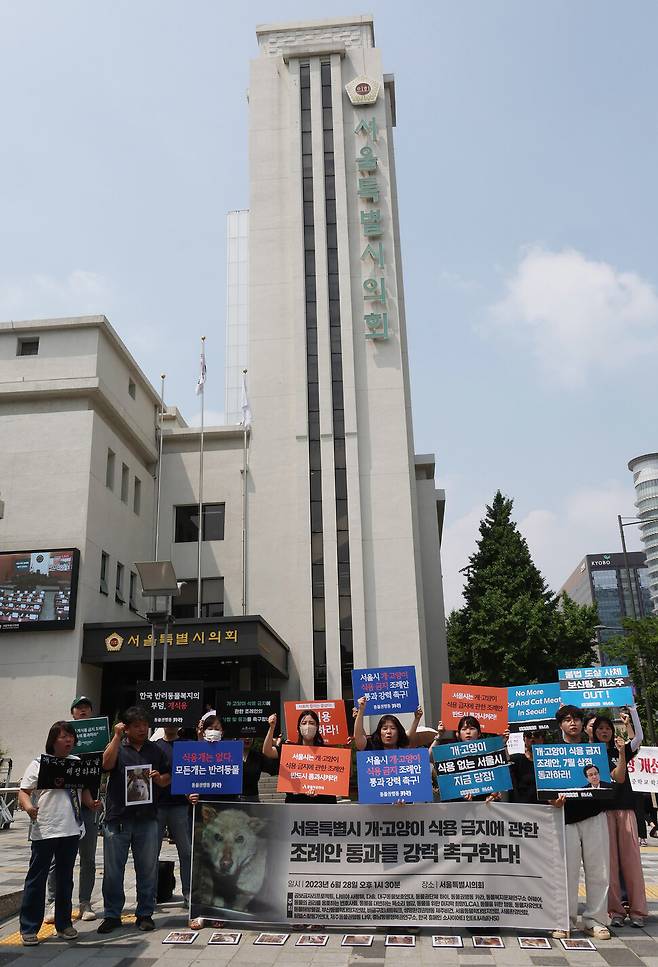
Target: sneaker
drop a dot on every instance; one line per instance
(598, 931)
(86, 912)
(109, 924)
(617, 922)
(643, 842)
(50, 914)
(638, 921)
(561, 934)
(29, 939)
(68, 933)
(145, 923)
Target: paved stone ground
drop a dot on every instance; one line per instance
(128, 947)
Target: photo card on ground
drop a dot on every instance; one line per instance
(225, 937)
(312, 940)
(534, 943)
(486, 941)
(181, 936)
(271, 939)
(446, 940)
(577, 943)
(400, 940)
(357, 940)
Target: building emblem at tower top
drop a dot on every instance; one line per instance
(362, 90)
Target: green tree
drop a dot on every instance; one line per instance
(512, 628)
(639, 643)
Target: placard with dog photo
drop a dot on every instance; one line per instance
(181, 936)
(223, 937)
(139, 785)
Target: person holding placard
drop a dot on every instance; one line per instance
(309, 735)
(389, 732)
(55, 831)
(522, 770)
(468, 730)
(622, 828)
(174, 815)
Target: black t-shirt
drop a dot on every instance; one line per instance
(115, 806)
(166, 796)
(319, 800)
(252, 767)
(624, 797)
(524, 784)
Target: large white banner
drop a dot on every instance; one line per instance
(440, 865)
(643, 769)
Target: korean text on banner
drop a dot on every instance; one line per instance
(246, 713)
(333, 721)
(403, 775)
(575, 770)
(172, 703)
(392, 689)
(74, 773)
(444, 865)
(476, 768)
(319, 770)
(488, 705)
(601, 686)
(210, 767)
(643, 769)
(532, 708)
(92, 734)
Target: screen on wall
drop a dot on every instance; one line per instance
(38, 589)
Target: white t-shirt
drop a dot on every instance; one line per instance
(56, 816)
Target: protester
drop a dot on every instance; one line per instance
(173, 813)
(468, 730)
(622, 829)
(587, 841)
(131, 821)
(522, 769)
(210, 727)
(81, 709)
(309, 735)
(55, 831)
(389, 732)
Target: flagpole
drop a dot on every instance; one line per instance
(157, 517)
(198, 580)
(244, 506)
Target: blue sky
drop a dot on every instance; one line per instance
(527, 152)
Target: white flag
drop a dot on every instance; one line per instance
(246, 409)
(201, 382)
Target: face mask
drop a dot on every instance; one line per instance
(213, 735)
(308, 731)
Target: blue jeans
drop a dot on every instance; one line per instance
(176, 817)
(87, 853)
(63, 849)
(141, 837)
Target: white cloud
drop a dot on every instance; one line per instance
(40, 296)
(578, 316)
(558, 539)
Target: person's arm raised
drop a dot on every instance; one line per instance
(360, 737)
(111, 753)
(269, 749)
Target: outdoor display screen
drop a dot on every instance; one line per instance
(38, 589)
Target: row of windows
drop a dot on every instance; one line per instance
(119, 582)
(183, 606)
(124, 491)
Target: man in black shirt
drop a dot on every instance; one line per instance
(130, 817)
(174, 815)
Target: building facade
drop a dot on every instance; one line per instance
(645, 480)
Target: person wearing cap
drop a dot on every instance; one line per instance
(81, 708)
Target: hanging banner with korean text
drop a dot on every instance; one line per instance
(71, 773)
(477, 768)
(600, 686)
(448, 865)
(391, 689)
(171, 703)
(333, 721)
(532, 708)
(401, 775)
(487, 705)
(207, 767)
(92, 734)
(643, 769)
(314, 770)
(575, 770)
(245, 714)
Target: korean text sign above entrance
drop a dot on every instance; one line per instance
(207, 767)
(391, 689)
(171, 703)
(246, 713)
(476, 768)
(532, 707)
(92, 734)
(601, 686)
(487, 705)
(333, 721)
(402, 775)
(318, 771)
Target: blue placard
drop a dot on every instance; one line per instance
(533, 707)
(401, 775)
(599, 686)
(476, 768)
(566, 768)
(391, 689)
(207, 767)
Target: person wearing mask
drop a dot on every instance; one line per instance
(389, 732)
(174, 814)
(55, 831)
(309, 735)
(622, 828)
(81, 709)
(131, 826)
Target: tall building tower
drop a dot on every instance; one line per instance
(645, 479)
(343, 554)
(237, 311)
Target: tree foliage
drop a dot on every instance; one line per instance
(639, 642)
(512, 628)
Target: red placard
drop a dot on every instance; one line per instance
(488, 705)
(317, 769)
(333, 721)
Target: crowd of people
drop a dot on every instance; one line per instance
(601, 833)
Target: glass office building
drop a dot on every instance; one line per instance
(602, 579)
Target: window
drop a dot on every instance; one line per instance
(132, 594)
(131, 389)
(137, 496)
(125, 482)
(27, 347)
(109, 469)
(187, 523)
(118, 590)
(212, 599)
(105, 564)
